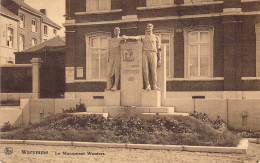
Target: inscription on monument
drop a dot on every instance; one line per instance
(131, 73)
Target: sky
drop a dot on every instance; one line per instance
(55, 10)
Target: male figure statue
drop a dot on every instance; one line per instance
(113, 65)
(151, 56)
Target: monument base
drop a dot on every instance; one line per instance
(151, 98)
(112, 98)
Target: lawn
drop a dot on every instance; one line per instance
(192, 130)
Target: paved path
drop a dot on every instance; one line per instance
(119, 155)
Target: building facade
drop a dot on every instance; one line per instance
(31, 24)
(212, 46)
(8, 40)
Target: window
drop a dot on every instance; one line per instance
(196, 1)
(257, 31)
(34, 41)
(21, 43)
(10, 37)
(44, 40)
(22, 21)
(198, 52)
(34, 25)
(97, 52)
(55, 32)
(165, 41)
(45, 29)
(159, 2)
(96, 5)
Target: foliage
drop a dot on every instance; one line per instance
(94, 128)
(7, 127)
(79, 108)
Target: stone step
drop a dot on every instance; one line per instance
(105, 115)
(152, 115)
(161, 109)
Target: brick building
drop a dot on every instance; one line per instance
(212, 45)
(31, 28)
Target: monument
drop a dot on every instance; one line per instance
(139, 63)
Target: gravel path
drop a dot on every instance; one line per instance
(119, 155)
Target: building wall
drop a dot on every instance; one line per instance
(50, 34)
(234, 40)
(7, 53)
(27, 31)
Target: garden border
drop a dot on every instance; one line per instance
(240, 149)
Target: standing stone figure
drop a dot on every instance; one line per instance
(151, 56)
(113, 65)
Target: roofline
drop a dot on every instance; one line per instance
(59, 27)
(2, 13)
(37, 51)
(30, 11)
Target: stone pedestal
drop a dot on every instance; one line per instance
(112, 98)
(131, 74)
(151, 98)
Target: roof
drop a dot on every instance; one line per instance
(44, 17)
(49, 21)
(6, 12)
(50, 45)
(25, 5)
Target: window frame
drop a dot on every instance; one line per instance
(196, 2)
(55, 32)
(257, 33)
(169, 32)
(34, 26)
(89, 56)
(210, 30)
(35, 41)
(22, 20)
(23, 41)
(99, 2)
(45, 30)
(149, 3)
(10, 43)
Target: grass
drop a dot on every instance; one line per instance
(180, 130)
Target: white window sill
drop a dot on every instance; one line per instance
(174, 5)
(195, 79)
(22, 28)
(90, 80)
(250, 78)
(98, 12)
(34, 32)
(243, 1)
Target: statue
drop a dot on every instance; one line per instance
(113, 65)
(151, 56)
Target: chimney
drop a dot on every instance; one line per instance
(44, 11)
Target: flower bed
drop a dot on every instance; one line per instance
(173, 131)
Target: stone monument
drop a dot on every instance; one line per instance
(140, 60)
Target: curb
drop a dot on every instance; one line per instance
(254, 140)
(240, 149)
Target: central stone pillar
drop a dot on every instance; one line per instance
(131, 74)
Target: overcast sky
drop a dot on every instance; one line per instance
(55, 10)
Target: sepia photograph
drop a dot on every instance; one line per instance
(122, 81)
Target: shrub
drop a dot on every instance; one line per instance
(6, 127)
(79, 108)
(94, 128)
